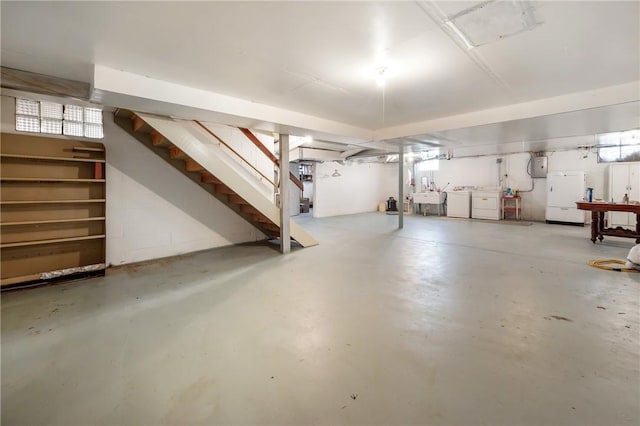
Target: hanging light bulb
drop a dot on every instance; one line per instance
(380, 80)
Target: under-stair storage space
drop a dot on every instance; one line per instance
(203, 155)
(52, 208)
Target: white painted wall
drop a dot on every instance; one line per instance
(483, 171)
(361, 187)
(294, 193)
(308, 189)
(153, 210)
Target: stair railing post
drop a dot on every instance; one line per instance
(401, 188)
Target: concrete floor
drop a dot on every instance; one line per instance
(445, 322)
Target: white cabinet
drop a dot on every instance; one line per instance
(623, 179)
(563, 190)
(459, 204)
(486, 205)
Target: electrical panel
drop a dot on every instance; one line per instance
(539, 167)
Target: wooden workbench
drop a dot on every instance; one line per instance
(598, 209)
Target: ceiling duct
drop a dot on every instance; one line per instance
(492, 21)
(44, 84)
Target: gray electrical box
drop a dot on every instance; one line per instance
(539, 167)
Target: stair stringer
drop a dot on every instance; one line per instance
(191, 140)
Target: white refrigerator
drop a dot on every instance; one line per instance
(563, 190)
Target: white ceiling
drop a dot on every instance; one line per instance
(320, 58)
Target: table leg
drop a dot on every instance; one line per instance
(637, 227)
(594, 226)
(600, 226)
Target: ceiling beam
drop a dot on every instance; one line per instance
(313, 154)
(613, 95)
(351, 152)
(137, 92)
(43, 84)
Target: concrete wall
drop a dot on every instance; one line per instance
(361, 187)
(153, 210)
(308, 190)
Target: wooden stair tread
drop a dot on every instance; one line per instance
(248, 208)
(207, 177)
(136, 122)
(176, 154)
(193, 166)
(236, 199)
(261, 219)
(224, 189)
(157, 139)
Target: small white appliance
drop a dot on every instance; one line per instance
(459, 204)
(563, 190)
(485, 204)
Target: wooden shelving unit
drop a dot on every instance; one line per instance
(52, 205)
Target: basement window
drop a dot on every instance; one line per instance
(429, 165)
(58, 119)
(619, 147)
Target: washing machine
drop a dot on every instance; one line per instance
(459, 204)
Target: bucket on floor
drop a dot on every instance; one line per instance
(392, 205)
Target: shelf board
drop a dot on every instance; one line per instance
(51, 158)
(57, 240)
(18, 202)
(29, 179)
(20, 279)
(46, 222)
(38, 277)
(87, 149)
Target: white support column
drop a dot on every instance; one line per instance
(401, 188)
(285, 228)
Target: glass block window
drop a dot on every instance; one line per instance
(619, 146)
(50, 126)
(57, 119)
(25, 123)
(27, 116)
(51, 110)
(93, 130)
(71, 128)
(93, 115)
(73, 113)
(27, 107)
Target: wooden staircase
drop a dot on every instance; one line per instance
(134, 124)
